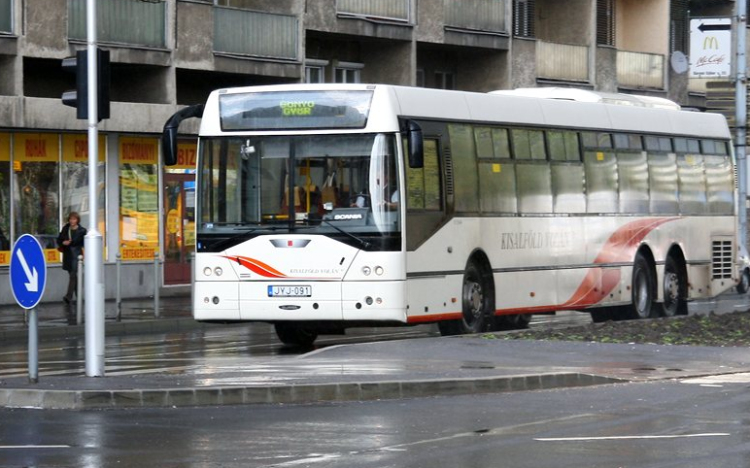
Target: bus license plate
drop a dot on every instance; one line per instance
(289, 291)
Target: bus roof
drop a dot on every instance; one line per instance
(560, 108)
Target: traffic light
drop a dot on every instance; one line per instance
(79, 97)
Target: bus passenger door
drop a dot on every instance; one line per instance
(426, 188)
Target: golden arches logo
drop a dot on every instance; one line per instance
(710, 42)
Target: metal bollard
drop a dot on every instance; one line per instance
(79, 291)
(191, 259)
(156, 284)
(118, 291)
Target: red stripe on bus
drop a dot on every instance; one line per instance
(434, 317)
(258, 267)
(620, 247)
(598, 282)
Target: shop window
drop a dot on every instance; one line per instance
(37, 185)
(139, 198)
(75, 180)
(5, 199)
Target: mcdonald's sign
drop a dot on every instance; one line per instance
(710, 43)
(710, 47)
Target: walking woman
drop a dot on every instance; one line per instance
(70, 242)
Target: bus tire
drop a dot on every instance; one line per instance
(675, 289)
(642, 305)
(744, 285)
(477, 304)
(295, 334)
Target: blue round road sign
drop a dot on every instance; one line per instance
(28, 271)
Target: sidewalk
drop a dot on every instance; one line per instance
(424, 367)
(411, 368)
(57, 319)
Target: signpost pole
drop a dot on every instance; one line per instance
(33, 346)
(94, 265)
(28, 278)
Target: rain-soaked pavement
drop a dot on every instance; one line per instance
(245, 364)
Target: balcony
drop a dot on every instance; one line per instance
(392, 10)
(477, 15)
(640, 70)
(6, 16)
(256, 34)
(562, 62)
(129, 22)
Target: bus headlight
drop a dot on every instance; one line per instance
(218, 271)
(366, 270)
(379, 270)
(207, 271)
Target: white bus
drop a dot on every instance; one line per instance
(321, 207)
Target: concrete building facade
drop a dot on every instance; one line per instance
(170, 53)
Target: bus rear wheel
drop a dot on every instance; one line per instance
(477, 304)
(675, 287)
(296, 334)
(643, 290)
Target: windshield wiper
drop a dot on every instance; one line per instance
(362, 242)
(245, 232)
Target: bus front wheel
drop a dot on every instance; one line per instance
(477, 304)
(295, 334)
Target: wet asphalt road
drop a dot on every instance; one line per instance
(662, 424)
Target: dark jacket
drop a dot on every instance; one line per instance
(72, 251)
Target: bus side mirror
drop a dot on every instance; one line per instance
(169, 134)
(415, 145)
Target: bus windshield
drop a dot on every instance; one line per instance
(344, 186)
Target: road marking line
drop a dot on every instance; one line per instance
(12, 447)
(682, 436)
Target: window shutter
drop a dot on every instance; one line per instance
(605, 22)
(679, 30)
(523, 18)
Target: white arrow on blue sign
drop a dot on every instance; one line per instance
(28, 271)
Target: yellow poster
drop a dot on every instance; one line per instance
(139, 150)
(36, 147)
(52, 255)
(187, 155)
(137, 253)
(4, 146)
(4, 257)
(76, 148)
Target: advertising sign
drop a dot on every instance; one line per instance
(710, 47)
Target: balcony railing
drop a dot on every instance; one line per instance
(253, 33)
(397, 10)
(481, 15)
(6, 16)
(129, 22)
(562, 61)
(640, 70)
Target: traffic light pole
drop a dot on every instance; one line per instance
(741, 116)
(94, 264)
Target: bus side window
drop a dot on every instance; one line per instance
(632, 176)
(528, 144)
(423, 184)
(463, 153)
(719, 184)
(692, 184)
(601, 182)
(662, 171)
